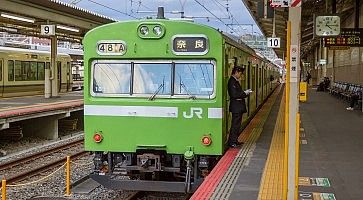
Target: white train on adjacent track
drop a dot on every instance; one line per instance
(22, 71)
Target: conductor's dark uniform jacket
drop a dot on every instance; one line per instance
(237, 97)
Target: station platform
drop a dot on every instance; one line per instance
(35, 115)
(16, 106)
(330, 150)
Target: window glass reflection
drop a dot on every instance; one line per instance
(193, 79)
(151, 78)
(112, 78)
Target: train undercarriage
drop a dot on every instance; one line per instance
(152, 170)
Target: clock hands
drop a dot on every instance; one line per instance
(330, 25)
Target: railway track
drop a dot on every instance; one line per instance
(23, 168)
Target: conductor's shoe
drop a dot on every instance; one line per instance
(234, 145)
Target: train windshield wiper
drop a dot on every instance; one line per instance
(161, 86)
(189, 94)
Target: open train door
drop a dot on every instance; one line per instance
(2, 77)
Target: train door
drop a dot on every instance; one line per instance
(248, 86)
(2, 77)
(226, 110)
(256, 79)
(68, 73)
(59, 76)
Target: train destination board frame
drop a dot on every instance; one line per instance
(190, 44)
(349, 37)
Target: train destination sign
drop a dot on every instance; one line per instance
(349, 37)
(111, 47)
(190, 45)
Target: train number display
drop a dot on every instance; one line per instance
(111, 47)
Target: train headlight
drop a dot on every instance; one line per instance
(206, 140)
(151, 30)
(157, 30)
(97, 137)
(144, 30)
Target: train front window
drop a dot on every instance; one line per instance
(111, 78)
(150, 77)
(194, 79)
(154, 79)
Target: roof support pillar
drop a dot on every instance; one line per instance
(54, 70)
(293, 103)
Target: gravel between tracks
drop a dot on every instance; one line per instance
(55, 185)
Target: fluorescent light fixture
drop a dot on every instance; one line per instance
(8, 29)
(67, 28)
(16, 17)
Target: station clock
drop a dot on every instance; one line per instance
(327, 25)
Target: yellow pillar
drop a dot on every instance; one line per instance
(68, 176)
(3, 189)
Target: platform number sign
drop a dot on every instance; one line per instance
(273, 42)
(47, 30)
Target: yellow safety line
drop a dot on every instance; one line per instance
(271, 187)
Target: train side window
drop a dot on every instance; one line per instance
(18, 71)
(32, 73)
(25, 70)
(10, 70)
(253, 70)
(40, 71)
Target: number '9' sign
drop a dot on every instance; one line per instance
(47, 29)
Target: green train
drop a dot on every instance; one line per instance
(156, 102)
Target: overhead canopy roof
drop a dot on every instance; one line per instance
(309, 8)
(49, 12)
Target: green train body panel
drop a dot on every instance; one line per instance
(174, 134)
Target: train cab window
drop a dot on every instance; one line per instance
(111, 78)
(179, 79)
(40, 71)
(150, 78)
(194, 79)
(10, 70)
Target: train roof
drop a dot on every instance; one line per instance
(19, 50)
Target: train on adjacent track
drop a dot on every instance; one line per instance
(22, 71)
(156, 101)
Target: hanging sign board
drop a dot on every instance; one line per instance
(47, 30)
(273, 42)
(349, 37)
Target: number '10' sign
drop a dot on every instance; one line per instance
(273, 42)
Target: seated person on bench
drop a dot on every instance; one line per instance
(354, 99)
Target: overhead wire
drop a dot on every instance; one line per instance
(218, 18)
(124, 13)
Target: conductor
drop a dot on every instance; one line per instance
(237, 105)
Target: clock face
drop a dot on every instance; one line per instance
(327, 25)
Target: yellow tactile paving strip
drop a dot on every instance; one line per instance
(271, 187)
